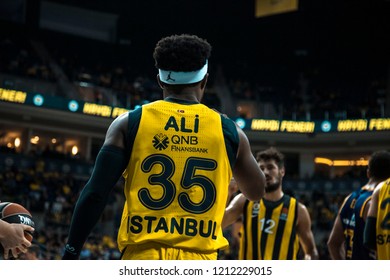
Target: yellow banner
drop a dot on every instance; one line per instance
(271, 7)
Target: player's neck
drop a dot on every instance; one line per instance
(373, 183)
(275, 195)
(188, 97)
(187, 94)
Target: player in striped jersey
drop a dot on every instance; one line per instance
(377, 229)
(346, 238)
(275, 227)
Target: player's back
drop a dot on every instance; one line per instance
(352, 219)
(177, 177)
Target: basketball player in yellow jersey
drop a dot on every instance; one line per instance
(377, 228)
(274, 227)
(177, 157)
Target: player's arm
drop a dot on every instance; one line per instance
(305, 234)
(246, 172)
(12, 238)
(234, 210)
(109, 166)
(369, 237)
(336, 241)
(365, 209)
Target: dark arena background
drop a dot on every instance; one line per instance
(311, 78)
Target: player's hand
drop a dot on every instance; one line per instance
(16, 241)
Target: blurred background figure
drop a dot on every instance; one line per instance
(231, 232)
(346, 238)
(278, 226)
(33, 253)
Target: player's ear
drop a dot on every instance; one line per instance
(204, 81)
(282, 171)
(159, 82)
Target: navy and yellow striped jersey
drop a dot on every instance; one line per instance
(383, 222)
(351, 216)
(269, 230)
(176, 182)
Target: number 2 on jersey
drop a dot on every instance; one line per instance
(385, 224)
(267, 225)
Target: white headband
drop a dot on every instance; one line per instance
(180, 78)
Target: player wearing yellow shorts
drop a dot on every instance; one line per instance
(177, 157)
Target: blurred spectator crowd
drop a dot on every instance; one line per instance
(111, 75)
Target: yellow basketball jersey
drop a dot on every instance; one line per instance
(268, 231)
(383, 223)
(176, 182)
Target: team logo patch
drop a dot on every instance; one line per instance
(255, 209)
(38, 100)
(326, 126)
(284, 214)
(160, 141)
(73, 105)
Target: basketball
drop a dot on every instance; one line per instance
(15, 213)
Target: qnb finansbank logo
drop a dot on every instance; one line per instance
(160, 141)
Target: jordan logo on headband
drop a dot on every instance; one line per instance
(183, 77)
(169, 77)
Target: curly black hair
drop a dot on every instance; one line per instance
(379, 165)
(181, 53)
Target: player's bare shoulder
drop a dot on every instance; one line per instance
(303, 215)
(122, 119)
(120, 122)
(117, 131)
